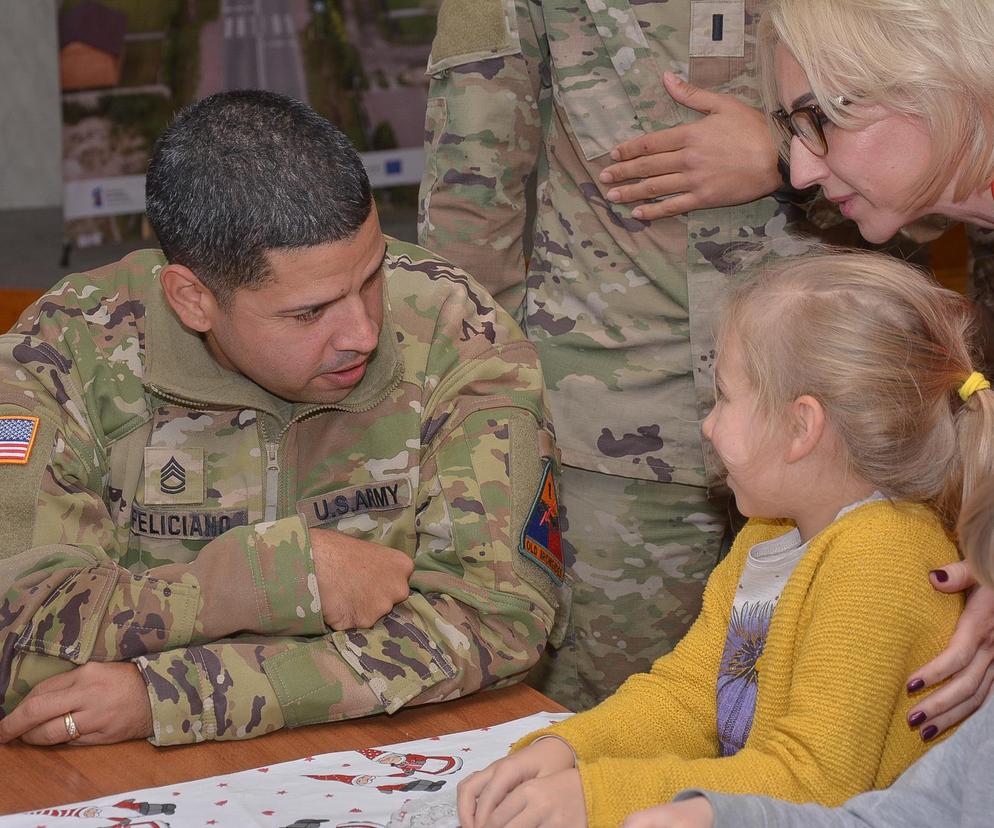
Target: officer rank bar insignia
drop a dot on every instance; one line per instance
(541, 540)
(17, 438)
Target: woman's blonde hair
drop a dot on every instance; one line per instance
(976, 533)
(929, 59)
(884, 349)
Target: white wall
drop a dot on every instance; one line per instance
(30, 114)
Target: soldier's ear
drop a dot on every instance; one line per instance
(194, 304)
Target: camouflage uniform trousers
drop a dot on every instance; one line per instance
(640, 552)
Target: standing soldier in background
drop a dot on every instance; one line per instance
(538, 115)
(284, 471)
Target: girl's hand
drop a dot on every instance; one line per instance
(554, 801)
(481, 796)
(690, 813)
(968, 661)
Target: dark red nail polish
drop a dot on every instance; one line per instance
(916, 719)
(940, 575)
(915, 685)
(929, 733)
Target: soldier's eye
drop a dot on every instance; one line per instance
(308, 315)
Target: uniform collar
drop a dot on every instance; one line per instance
(179, 366)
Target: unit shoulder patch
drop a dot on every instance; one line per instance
(541, 539)
(17, 438)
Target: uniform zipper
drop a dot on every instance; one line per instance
(173, 398)
(272, 480)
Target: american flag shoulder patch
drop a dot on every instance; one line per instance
(17, 438)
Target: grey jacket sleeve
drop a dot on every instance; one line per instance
(950, 785)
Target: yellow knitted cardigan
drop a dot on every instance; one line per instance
(856, 617)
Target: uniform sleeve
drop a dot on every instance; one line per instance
(64, 597)
(481, 604)
(947, 786)
(869, 611)
(483, 140)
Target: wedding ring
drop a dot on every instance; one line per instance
(71, 728)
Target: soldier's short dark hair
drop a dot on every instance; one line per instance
(241, 173)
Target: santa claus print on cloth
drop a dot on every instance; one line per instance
(106, 813)
(409, 763)
(385, 786)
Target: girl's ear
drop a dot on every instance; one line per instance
(806, 419)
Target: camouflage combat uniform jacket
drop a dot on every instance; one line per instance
(162, 515)
(531, 96)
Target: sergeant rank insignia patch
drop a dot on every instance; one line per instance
(541, 540)
(17, 437)
(172, 477)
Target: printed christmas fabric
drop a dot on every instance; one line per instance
(395, 786)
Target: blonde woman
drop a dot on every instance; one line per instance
(887, 105)
(851, 423)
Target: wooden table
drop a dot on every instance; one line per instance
(33, 777)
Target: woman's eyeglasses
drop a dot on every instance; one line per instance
(807, 123)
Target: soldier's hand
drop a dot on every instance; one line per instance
(688, 813)
(727, 157)
(108, 703)
(358, 582)
(480, 794)
(968, 661)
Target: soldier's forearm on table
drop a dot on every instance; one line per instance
(249, 686)
(431, 647)
(253, 579)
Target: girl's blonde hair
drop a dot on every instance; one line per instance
(885, 350)
(929, 59)
(976, 533)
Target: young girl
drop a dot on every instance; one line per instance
(949, 786)
(851, 423)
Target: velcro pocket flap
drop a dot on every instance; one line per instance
(472, 30)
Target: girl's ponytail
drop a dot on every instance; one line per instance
(975, 439)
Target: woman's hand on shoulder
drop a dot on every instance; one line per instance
(726, 157)
(967, 662)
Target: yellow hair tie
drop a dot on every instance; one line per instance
(975, 382)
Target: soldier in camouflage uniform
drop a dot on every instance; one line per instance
(217, 444)
(527, 101)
